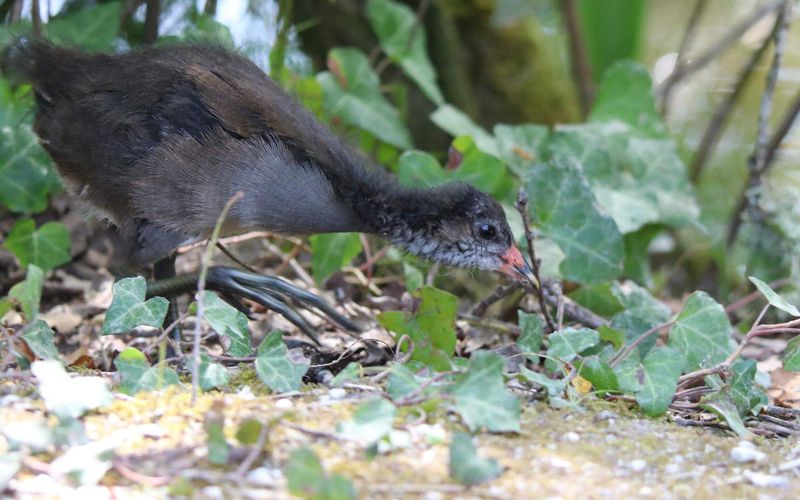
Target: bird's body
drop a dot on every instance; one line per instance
(160, 139)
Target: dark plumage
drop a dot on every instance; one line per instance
(159, 139)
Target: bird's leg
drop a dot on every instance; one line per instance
(164, 269)
(269, 291)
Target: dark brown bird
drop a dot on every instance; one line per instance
(159, 139)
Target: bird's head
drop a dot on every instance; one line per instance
(467, 228)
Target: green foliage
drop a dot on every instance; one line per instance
(402, 382)
(229, 322)
(352, 94)
(791, 357)
(39, 337)
(702, 332)
(371, 421)
(566, 344)
(211, 375)
(307, 479)
(431, 327)
(466, 467)
(94, 28)
(456, 123)
(404, 40)
(137, 375)
(46, 247)
(28, 293)
(332, 251)
(129, 309)
(532, 333)
(274, 366)
(774, 299)
(481, 397)
(611, 30)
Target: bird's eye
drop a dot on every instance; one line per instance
(487, 231)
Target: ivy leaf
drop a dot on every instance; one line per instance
(307, 479)
(566, 344)
(641, 312)
(229, 323)
(350, 373)
(661, 370)
(419, 169)
(93, 28)
(330, 252)
(352, 92)
(741, 388)
(402, 382)
(773, 298)
(626, 95)
(29, 292)
(26, 177)
(431, 327)
(129, 309)
(554, 387)
(532, 333)
(481, 396)
(791, 355)
(702, 332)
(599, 373)
(66, 396)
(371, 421)
(484, 171)
(46, 247)
(562, 205)
(275, 368)
(403, 39)
(39, 337)
(521, 146)
(212, 375)
(214, 424)
(615, 337)
(456, 123)
(726, 410)
(466, 467)
(137, 374)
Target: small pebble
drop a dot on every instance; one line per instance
(337, 393)
(263, 476)
(672, 469)
(637, 465)
(766, 480)
(213, 492)
(790, 465)
(284, 404)
(745, 454)
(572, 437)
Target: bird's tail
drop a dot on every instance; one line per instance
(31, 59)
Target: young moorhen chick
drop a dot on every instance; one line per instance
(159, 139)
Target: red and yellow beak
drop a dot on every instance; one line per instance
(514, 265)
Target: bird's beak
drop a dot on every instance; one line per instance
(514, 265)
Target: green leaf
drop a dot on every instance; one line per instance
(661, 370)
(466, 467)
(352, 92)
(212, 375)
(330, 252)
(275, 368)
(641, 312)
(93, 28)
(46, 247)
(431, 327)
(402, 37)
(599, 373)
(26, 177)
(611, 335)
(69, 397)
(456, 123)
(29, 292)
(625, 95)
(744, 393)
(566, 344)
(248, 431)
(350, 373)
(791, 355)
(39, 338)
(532, 333)
(129, 309)
(402, 382)
(611, 30)
(726, 410)
(637, 253)
(371, 421)
(218, 448)
(307, 479)
(521, 146)
(554, 387)
(773, 298)
(484, 171)
(562, 205)
(702, 332)
(481, 397)
(419, 169)
(229, 323)
(598, 298)
(137, 375)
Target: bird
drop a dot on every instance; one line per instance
(158, 139)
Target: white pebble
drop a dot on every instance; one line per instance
(263, 476)
(766, 480)
(791, 464)
(284, 404)
(572, 437)
(745, 454)
(337, 393)
(637, 465)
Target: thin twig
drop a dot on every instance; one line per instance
(731, 37)
(571, 309)
(756, 165)
(522, 207)
(222, 248)
(717, 124)
(581, 69)
(638, 340)
(499, 293)
(783, 128)
(680, 60)
(750, 297)
(201, 286)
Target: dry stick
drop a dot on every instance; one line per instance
(522, 207)
(581, 69)
(783, 129)
(201, 286)
(717, 124)
(731, 37)
(756, 165)
(669, 84)
(222, 248)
